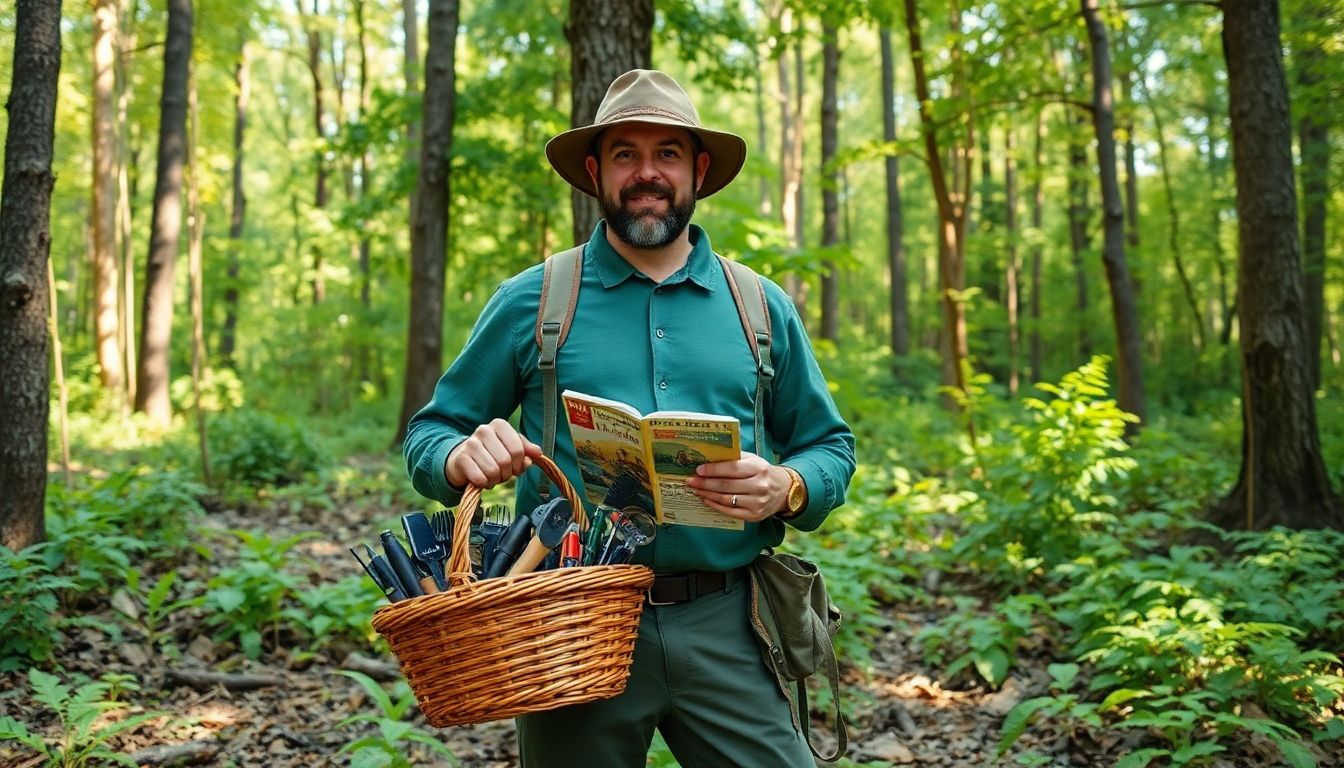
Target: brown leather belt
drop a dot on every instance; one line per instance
(677, 588)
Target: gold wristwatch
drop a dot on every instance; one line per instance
(797, 497)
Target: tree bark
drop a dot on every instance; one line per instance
(1283, 477)
(25, 247)
(429, 232)
(1124, 302)
(1314, 141)
(151, 395)
(607, 38)
(899, 303)
(830, 182)
(365, 162)
(195, 281)
(1080, 214)
(106, 328)
(238, 212)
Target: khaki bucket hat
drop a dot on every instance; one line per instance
(646, 96)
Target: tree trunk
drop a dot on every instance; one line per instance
(106, 328)
(195, 282)
(1314, 140)
(830, 203)
(1080, 214)
(1127, 77)
(899, 296)
(1174, 219)
(365, 163)
(125, 195)
(1011, 271)
(411, 71)
(238, 213)
(1124, 303)
(951, 199)
(790, 152)
(1283, 478)
(607, 38)
(314, 37)
(429, 231)
(25, 246)
(151, 395)
(1037, 349)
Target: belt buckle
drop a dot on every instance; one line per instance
(648, 598)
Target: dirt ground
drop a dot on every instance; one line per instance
(904, 714)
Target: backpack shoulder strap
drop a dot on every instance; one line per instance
(749, 295)
(555, 313)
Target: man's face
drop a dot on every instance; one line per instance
(646, 177)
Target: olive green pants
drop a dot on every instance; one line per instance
(697, 677)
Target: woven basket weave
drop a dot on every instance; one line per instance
(492, 649)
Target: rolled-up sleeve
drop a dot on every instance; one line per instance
(480, 385)
(807, 431)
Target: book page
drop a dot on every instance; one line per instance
(677, 447)
(608, 444)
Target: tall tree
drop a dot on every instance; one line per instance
(313, 35)
(899, 301)
(125, 159)
(1313, 135)
(25, 246)
(238, 210)
(410, 31)
(1283, 477)
(429, 230)
(830, 181)
(151, 396)
(1124, 301)
(951, 195)
(1035, 345)
(104, 203)
(1012, 267)
(607, 38)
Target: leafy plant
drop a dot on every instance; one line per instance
(253, 449)
(247, 599)
(987, 643)
(336, 610)
(84, 732)
(156, 604)
(387, 748)
(29, 602)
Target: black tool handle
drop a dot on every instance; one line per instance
(389, 582)
(511, 544)
(401, 564)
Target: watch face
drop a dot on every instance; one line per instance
(795, 493)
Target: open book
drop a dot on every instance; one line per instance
(659, 451)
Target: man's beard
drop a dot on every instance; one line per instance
(647, 230)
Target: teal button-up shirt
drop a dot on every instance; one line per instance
(674, 345)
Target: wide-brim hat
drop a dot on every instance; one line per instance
(646, 96)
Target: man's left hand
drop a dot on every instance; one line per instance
(749, 488)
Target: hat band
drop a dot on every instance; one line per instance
(648, 110)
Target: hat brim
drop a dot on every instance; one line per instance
(568, 151)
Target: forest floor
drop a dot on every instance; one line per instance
(904, 713)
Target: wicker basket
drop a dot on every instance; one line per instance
(492, 649)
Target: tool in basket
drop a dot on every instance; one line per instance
(401, 564)
(494, 649)
(631, 528)
(511, 544)
(549, 522)
(426, 550)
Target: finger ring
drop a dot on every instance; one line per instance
(733, 501)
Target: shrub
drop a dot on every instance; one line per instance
(255, 449)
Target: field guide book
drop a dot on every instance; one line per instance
(659, 450)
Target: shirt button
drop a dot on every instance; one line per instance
(662, 384)
(660, 333)
(657, 291)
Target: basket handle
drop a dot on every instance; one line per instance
(459, 559)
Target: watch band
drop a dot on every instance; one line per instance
(796, 488)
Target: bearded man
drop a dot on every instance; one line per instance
(655, 326)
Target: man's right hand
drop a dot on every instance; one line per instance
(494, 453)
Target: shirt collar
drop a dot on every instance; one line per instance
(612, 268)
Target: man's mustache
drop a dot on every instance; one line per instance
(646, 188)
